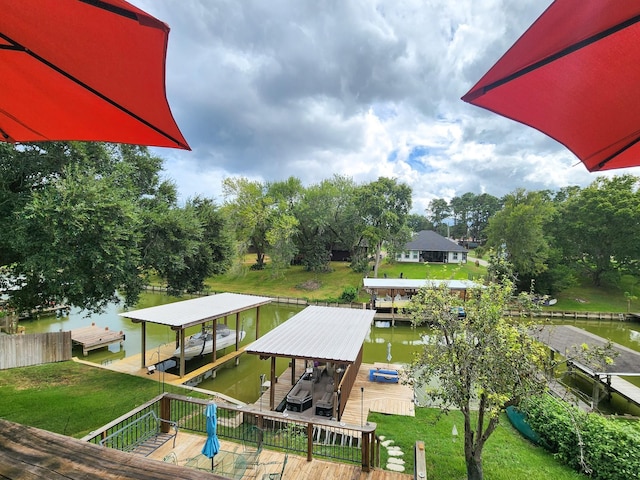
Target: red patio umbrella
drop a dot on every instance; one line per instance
(90, 70)
(575, 76)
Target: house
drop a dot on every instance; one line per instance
(428, 246)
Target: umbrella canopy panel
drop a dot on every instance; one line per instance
(574, 76)
(84, 70)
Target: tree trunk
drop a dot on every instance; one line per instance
(474, 468)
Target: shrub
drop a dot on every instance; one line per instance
(349, 294)
(610, 448)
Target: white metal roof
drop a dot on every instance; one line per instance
(323, 333)
(409, 283)
(194, 312)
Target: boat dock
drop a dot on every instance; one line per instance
(387, 398)
(161, 358)
(564, 339)
(94, 337)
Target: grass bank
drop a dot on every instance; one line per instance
(73, 399)
(327, 286)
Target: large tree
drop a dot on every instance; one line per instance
(80, 220)
(598, 224)
(248, 208)
(383, 206)
(479, 363)
(518, 231)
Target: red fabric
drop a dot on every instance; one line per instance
(121, 59)
(589, 99)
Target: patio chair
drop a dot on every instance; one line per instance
(276, 475)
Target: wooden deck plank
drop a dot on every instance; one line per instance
(189, 446)
(93, 337)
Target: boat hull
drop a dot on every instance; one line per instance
(195, 348)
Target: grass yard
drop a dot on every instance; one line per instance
(71, 398)
(328, 286)
(506, 456)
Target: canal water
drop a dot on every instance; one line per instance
(243, 381)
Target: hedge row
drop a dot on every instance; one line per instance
(611, 448)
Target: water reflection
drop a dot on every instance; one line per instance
(243, 381)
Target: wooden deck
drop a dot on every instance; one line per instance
(188, 451)
(94, 337)
(389, 398)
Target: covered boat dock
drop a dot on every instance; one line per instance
(565, 339)
(198, 311)
(329, 340)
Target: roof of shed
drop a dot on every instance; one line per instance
(428, 240)
(409, 283)
(321, 333)
(196, 311)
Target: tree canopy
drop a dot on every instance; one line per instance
(86, 222)
(479, 362)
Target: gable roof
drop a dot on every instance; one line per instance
(428, 240)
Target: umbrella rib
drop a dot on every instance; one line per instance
(21, 48)
(615, 154)
(552, 58)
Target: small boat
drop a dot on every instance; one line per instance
(202, 342)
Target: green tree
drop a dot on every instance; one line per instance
(437, 212)
(87, 220)
(518, 230)
(383, 206)
(481, 363)
(417, 223)
(596, 227)
(281, 239)
(78, 241)
(248, 208)
(187, 245)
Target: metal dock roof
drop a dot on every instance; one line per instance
(322, 333)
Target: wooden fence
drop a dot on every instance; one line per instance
(34, 349)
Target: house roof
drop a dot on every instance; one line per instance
(319, 333)
(428, 240)
(196, 311)
(415, 284)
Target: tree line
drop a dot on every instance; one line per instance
(85, 222)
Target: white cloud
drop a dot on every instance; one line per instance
(364, 88)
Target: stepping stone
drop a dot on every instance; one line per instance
(382, 438)
(396, 453)
(394, 467)
(397, 461)
(386, 443)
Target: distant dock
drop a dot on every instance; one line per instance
(94, 337)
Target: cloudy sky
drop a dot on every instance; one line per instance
(362, 88)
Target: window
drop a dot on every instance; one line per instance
(455, 255)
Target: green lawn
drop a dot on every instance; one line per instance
(506, 456)
(74, 399)
(327, 286)
(71, 398)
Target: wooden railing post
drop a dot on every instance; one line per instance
(309, 441)
(366, 462)
(165, 413)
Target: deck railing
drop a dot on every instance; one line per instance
(316, 437)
